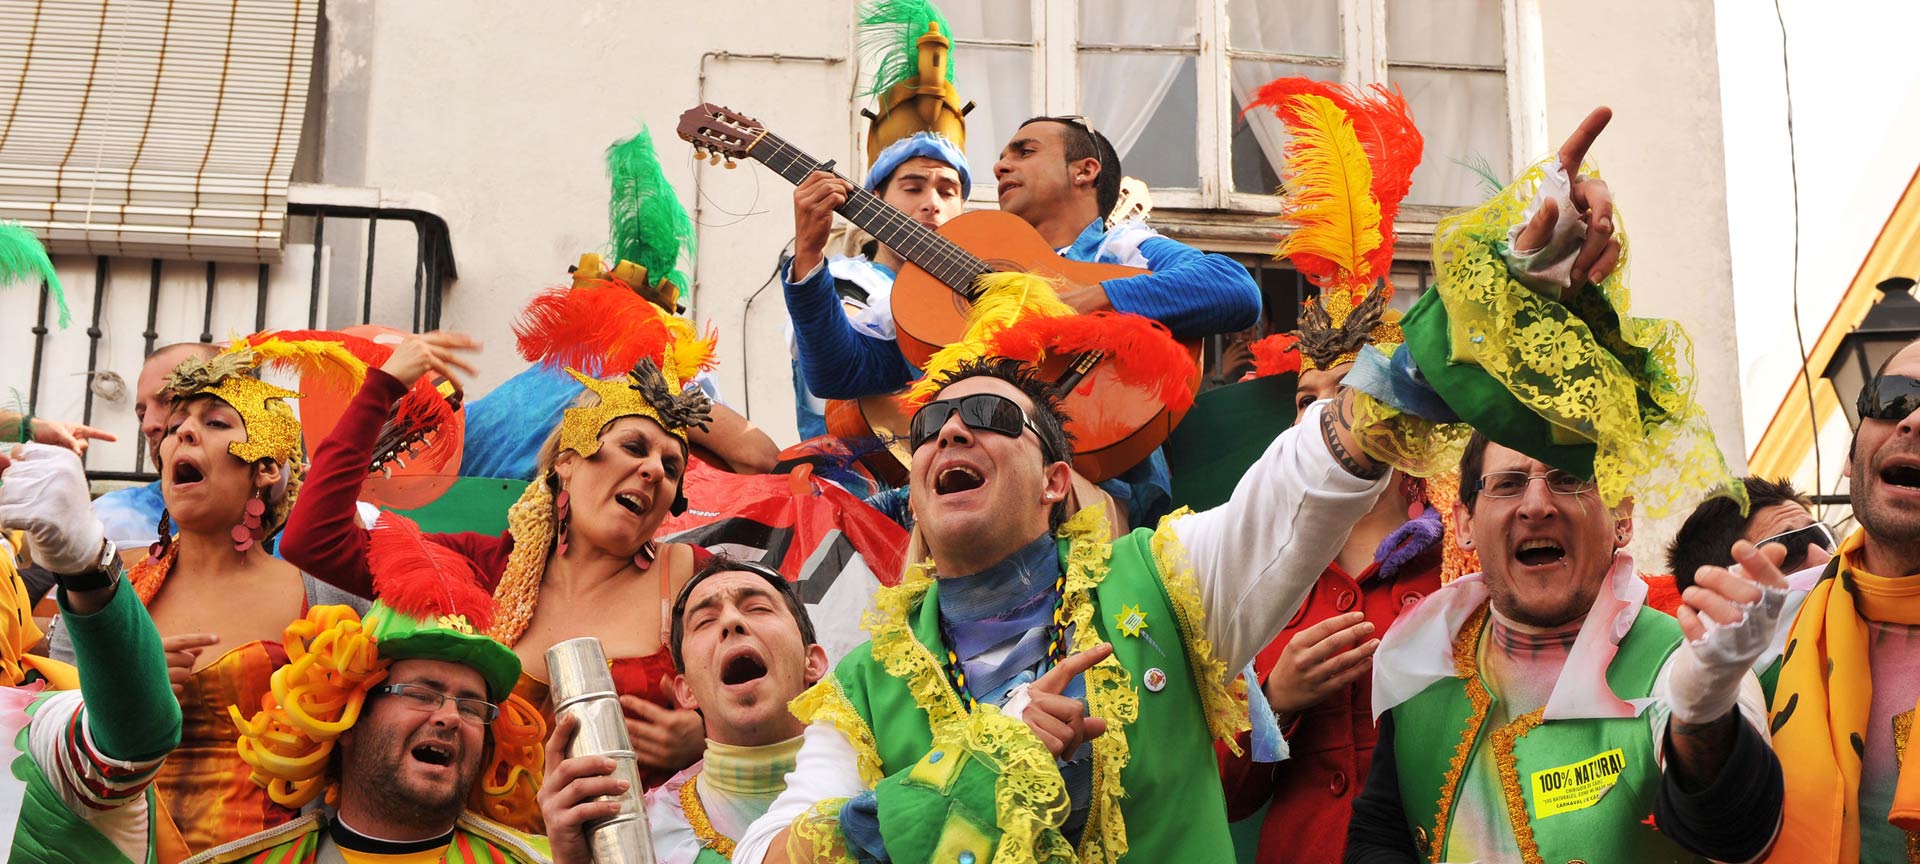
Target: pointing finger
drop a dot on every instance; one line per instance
(1070, 668)
(1574, 151)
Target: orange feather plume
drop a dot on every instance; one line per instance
(423, 407)
(1383, 124)
(1278, 354)
(424, 579)
(1142, 351)
(603, 328)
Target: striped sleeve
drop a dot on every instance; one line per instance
(1194, 293)
(87, 780)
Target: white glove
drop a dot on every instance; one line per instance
(44, 493)
(1549, 269)
(1707, 671)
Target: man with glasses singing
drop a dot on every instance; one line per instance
(1031, 688)
(1843, 707)
(1539, 711)
(380, 728)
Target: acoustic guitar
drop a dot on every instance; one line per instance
(1115, 425)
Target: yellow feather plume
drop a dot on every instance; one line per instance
(1005, 298)
(338, 367)
(1329, 185)
(688, 352)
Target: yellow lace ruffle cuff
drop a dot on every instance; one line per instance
(826, 702)
(1222, 700)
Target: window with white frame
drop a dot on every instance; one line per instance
(1166, 82)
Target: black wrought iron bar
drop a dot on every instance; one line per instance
(366, 300)
(93, 339)
(206, 317)
(313, 296)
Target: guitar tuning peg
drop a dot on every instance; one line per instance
(715, 160)
(732, 164)
(399, 461)
(699, 152)
(386, 472)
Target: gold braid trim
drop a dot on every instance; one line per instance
(1903, 732)
(903, 656)
(815, 834)
(1224, 703)
(1503, 756)
(1466, 664)
(530, 523)
(703, 829)
(1110, 696)
(826, 702)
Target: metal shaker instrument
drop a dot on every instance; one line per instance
(583, 687)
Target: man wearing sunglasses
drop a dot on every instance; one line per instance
(1026, 652)
(1851, 671)
(415, 705)
(1550, 713)
(743, 647)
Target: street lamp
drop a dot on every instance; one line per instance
(1890, 325)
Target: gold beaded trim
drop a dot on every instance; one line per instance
(1503, 756)
(1222, 701)
(1902, 732)
(697, 819)
(1466, 664)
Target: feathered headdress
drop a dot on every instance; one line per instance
(23, 259)
(1278, 354)
(424, 425)
(910, 47)
(1347, 168)
(1004, 299)
(1141, 351)
(430, 606)
(272, 430)
(602, 328)
(651, 233)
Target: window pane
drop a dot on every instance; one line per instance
(1463, 116)
(1295, 27)
(1445, 31)
(1131, 22)
(1259, 139)
(999, 81)
(1145, 104)
(990, 19)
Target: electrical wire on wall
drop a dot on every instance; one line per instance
(1793, 174)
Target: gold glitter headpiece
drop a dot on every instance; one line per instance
(231, 376)
(646, 391)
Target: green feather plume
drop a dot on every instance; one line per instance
(649, 226)
(23, 259)
(891, 29)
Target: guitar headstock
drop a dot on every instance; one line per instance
(719, 133)
(1135, 202)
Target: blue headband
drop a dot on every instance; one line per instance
(919, 144)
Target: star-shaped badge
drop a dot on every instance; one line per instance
(1130, 620)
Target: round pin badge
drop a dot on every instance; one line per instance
(1155, 679)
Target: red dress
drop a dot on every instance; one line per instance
(1331, 744)
(323, 537)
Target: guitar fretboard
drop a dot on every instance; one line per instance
(952, 265)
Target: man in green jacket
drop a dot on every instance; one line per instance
(81, 761)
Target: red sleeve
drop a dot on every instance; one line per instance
(323, 537)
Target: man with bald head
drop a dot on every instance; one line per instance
(132, 515)
(1844, 704)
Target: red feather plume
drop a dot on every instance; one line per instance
(601, 328)
(1275, 355)
(1142, 351)
(1384, 124)
(421, 408)
(424, 579)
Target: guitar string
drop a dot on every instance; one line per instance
(956, 265)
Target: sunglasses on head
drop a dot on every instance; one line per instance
(1889, 397)
(986, 412)
(1797, 541)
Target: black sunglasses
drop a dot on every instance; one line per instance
(988, 412)
(1889, 397)
(1797, 542)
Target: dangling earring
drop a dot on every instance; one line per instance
(249, 527)
(158, 549)
(562, 512)
(1415, 490)
(645, 557)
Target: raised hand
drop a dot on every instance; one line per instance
(1593, 204)
(44, 493)
(1320, 661)
(814, 201)
(1723, 594)
(569, 794)
(1059, 721)
(438, 351)
(73, 436)
(664, 739)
